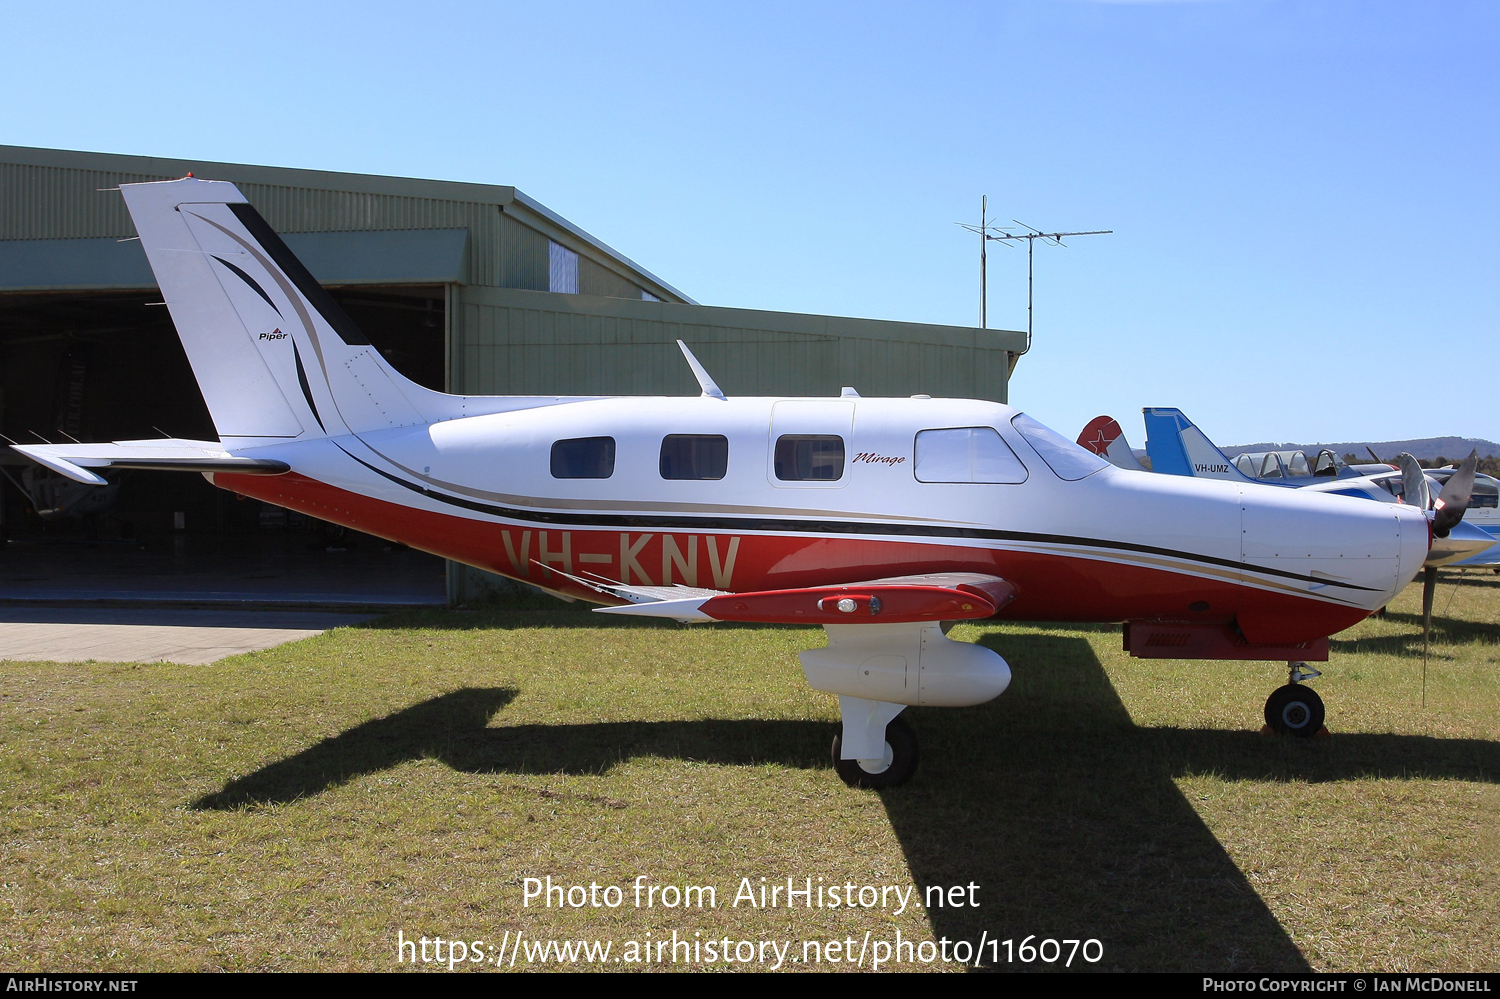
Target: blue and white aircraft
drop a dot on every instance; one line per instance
(1176, 446)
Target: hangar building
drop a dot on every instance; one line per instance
(466, 287)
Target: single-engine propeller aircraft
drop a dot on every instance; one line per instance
(1176, 446)
(882, 520)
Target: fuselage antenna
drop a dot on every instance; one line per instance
(710, 389)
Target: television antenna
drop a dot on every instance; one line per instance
(987, 231)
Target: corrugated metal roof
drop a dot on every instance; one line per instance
(65, 194)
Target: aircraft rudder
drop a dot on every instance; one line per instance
(273, 352)
(1103, 436)
(225, 338)
(1177, 447)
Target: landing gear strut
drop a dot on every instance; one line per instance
(1296, 709)
(877, 670)
(894, 767)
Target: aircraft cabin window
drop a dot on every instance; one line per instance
(1064, 457)
(694, 456)
(966, 454)
(583, 458)
(809, 458)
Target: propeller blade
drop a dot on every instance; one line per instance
(1451, 503)
(1414, 489)
(1429, 588)
(1375, 457)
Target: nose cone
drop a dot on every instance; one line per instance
(1463, 541)
(1349, 552)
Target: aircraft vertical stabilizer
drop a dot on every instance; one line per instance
(1177, 447)
(274, 354)
(1103, 436)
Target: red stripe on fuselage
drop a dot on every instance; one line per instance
(1050, 586)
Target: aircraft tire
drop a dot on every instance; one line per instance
(901, 745)
(1295, 709)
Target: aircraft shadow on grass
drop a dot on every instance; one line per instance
(1050, 798)
(1446, 631)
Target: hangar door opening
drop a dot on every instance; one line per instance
(109, 366)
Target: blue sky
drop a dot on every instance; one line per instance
(1303, 195)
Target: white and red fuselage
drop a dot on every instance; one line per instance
(294, 388)
(1112, 545)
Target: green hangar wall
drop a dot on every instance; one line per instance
(466, 287)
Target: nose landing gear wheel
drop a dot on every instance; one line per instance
(1295, 709)
(898, 766)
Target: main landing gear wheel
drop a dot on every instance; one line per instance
(1295, 709)
(898, 766)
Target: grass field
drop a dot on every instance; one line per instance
(296, 808)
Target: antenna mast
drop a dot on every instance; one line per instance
(984, 241)
(986, 232)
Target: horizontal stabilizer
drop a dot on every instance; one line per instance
(170, 455)
(952, 596)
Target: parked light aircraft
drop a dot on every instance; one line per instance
(1176, 446)
(1293, 468)
(879, 519)
(1484, 506)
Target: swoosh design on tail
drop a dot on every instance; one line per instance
(306, 389)
(254, 285)
(300, 275)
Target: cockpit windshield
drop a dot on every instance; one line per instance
(1064, 457)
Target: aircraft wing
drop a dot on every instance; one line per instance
(171, 455)
(946, 596)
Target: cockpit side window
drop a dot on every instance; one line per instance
(1485, 495)
(966, 454)
(583, 458)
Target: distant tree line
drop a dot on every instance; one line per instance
(1489, 464)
